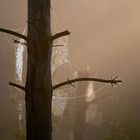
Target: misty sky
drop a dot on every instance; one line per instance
(104, 35)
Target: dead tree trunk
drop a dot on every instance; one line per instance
(38, 81)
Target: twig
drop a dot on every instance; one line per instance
(58, 45)
(13, 33)
(18, 42)
(112, 81)
(17, 86)
(60, 34)
(71, 83)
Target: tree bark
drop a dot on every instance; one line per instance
(38, 90)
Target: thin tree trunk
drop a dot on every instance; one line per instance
(38, 82)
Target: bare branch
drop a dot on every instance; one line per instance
(13, 33)
(61, 34)
(17, 86)
(112, 81)
(71, 83)
(58, 45)
(18, 42)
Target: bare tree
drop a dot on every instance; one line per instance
(38, 88)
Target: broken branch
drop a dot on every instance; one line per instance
(61, 34)
(112, 81)
(13, 33)
(17, 86)
(18, 42)
(58, 45)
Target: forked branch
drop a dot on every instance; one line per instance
(13, 33)
(17, 86)
(61, 34)
(69, 82)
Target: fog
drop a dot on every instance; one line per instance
(104, 35)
